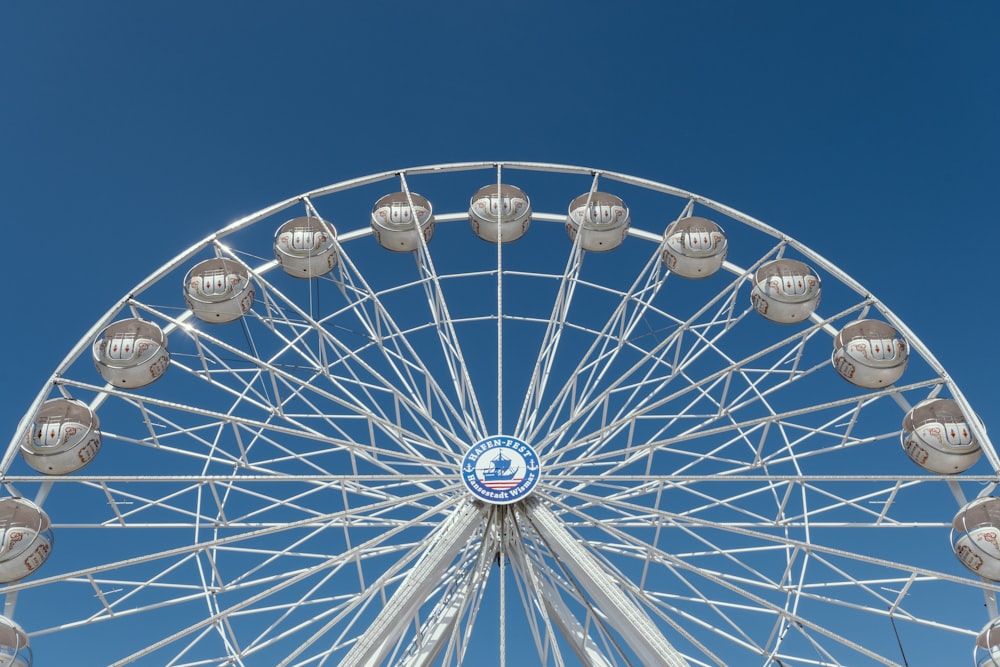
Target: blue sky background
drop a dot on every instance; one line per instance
(131, 130)
(868, 131)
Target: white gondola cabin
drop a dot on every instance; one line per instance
(15, 650)
(785, 291)
(502, 213)
(988, 645)
(25, 538)
(64, 437)
(975, 537)
(219, 290)
(870, 354)
(694, 247)
(306, 247)
(399, 219)
(936, 436)
(601, 219)
(131, 353)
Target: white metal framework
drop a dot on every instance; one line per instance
(288, 490)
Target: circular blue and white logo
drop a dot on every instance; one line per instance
(500, 469)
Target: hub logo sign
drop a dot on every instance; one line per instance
(500, 469)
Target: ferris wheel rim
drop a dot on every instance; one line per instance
(217, 239)
(186, 254)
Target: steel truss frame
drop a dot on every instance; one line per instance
(289, 494)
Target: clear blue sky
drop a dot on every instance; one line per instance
(866, 130)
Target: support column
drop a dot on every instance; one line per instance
(371, 648)
(436, 629)
(548, 597)
(631, 622)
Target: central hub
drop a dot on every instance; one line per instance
(500, 469)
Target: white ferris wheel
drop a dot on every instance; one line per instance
(499, 414)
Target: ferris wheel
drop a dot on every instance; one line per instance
(499, 413)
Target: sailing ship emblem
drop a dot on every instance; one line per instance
(500, 469)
